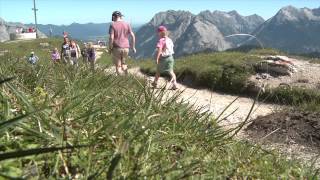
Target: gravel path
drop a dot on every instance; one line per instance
(235, 114)
(216, 102)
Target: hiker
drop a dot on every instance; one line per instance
(65, 50)
(91, 55)
(164, 57)
(33, 58)
(119, 32)
(55, 55)
(84, 53)
(74, 53)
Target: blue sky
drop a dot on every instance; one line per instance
(136, 11)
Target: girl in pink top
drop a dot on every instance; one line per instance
(55, 55)
(164, 58)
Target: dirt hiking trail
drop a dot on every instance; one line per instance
(215, 102)
(237, 112)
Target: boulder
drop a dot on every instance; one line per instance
(278, 65)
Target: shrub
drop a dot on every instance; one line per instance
(292, 95)
(210, 77)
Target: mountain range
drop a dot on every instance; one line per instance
(88, 31)
(196, 33)
(291, 29)
(85, 32)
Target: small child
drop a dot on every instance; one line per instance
(91, 52)
(55, 55)
(33, 58)
(84, 53)
(74, 53)
(164, 58)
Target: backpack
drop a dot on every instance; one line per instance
(91, 54)
(33, 59)
(168, 48)
(73, 51)
(66, 50)
(84, 52)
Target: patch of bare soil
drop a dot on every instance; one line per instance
(292, 127)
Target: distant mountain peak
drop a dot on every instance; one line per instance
(293, 14)
(234, 13)
(316, 11)
(169, 17)
(289, 8)
(292, 29)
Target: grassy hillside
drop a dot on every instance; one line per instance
(61, 122)
(228, 72)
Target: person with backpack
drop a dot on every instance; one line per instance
(91, 52)
(74, 53)
(84, 53)
(119, 33)
(65, 50)
(33, 58)
(164, 57)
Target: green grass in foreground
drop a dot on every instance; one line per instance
(61, 122)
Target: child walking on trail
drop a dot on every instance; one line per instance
(33, 58)
(84, 53)
(65, 50)
(55, 55)
(164, 57)
(74, 53)
(91, 52)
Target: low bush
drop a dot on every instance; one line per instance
(292, 95)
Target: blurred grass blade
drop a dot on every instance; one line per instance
(21, 96)
(226, 108)
(9, 123)
(114, 162)
(36, 151)
(6, 79)
(10, 177)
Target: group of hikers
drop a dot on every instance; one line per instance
(119, 45)
(70, 54)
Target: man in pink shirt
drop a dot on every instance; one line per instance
(119, 45)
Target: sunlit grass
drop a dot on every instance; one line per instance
(116, 127)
